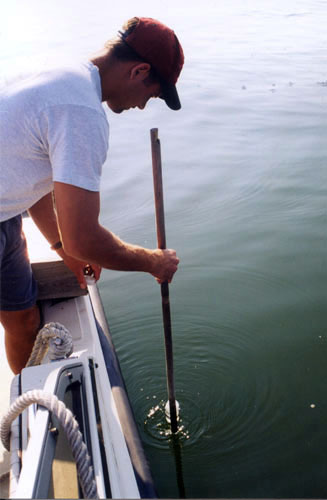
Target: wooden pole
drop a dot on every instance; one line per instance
(161, 238)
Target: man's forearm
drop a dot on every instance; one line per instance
(107, 250)
(43, 214)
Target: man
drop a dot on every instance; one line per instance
(53, 142)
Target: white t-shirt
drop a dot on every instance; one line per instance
(52, 128)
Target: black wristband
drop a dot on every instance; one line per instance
(56, 246)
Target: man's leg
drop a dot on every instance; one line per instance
(19, 313)
(21, 328)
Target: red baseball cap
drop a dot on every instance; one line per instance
(158, 45)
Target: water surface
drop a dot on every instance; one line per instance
(245, 198)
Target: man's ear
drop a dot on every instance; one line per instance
(140, 71)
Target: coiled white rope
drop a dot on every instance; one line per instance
(70, 426)
(55, 338)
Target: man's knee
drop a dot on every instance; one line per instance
(21, 328)
(25, 322)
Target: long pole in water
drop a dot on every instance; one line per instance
(161, 239)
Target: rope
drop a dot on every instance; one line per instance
(70, 426)
(55, 338)
(15, 452)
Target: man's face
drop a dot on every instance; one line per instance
(136, 98)
(135, 92)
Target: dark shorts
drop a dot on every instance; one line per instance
(18, 289)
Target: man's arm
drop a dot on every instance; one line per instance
(85, 239)
(44, 216)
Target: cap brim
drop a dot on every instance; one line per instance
(170, 96)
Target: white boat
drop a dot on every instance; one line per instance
(90, 384)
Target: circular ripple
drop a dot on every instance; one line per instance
(157, 428)
(225, 371)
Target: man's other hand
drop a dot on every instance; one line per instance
(78, 267)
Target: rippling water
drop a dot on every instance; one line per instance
(245, 196)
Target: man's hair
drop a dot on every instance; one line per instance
(119, 49)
